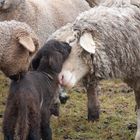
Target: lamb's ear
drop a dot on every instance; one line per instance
(87, 43)
(28, 43)
(36, 61)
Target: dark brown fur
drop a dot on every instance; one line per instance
(30, 99)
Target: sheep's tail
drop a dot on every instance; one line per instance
(23, 120)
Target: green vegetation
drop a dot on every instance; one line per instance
(117, 118)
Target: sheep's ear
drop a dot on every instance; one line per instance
(87, 43)
(27, 42)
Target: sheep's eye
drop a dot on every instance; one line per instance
(70, 40)
(79, 55)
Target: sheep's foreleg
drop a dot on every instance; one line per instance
(138, 125)
(93, 102)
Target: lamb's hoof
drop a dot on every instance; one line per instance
(93, 115)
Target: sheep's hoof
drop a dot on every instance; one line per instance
(93, 115)
(2, 3)
(63, 99)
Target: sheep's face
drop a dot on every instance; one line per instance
(9, 4)
(16, 57)
(76, 67)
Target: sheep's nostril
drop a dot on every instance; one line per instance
(61, 77)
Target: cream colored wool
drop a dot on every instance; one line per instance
(44, 16)
(18, 43)
(93, 3)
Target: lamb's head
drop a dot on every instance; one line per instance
(18, 44)
(9, 4)
(51, 56)
(77, 66)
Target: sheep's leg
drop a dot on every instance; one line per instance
(138, 125)
(92, 86)
(93, 102)
(34, 134)
(63, 96)
(34, 131)
(137, 96)
(46, 132)
(9, 122)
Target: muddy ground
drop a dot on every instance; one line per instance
(117, 118)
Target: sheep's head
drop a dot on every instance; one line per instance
(9, 4)
(51, 57)
(18, 48)
(76, 66)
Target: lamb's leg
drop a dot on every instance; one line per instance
(9, 122)
(93, 102)
(34, 125)
(34, 134)
(46, 132)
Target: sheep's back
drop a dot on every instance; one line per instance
(116, 32)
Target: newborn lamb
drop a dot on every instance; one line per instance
(30, 99)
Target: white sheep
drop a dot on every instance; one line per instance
(44, 16)
(108, 3)
(93, 3)
(17, 45)
(105, 44)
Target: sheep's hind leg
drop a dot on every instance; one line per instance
(137, 97)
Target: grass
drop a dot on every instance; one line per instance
(117, 118)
